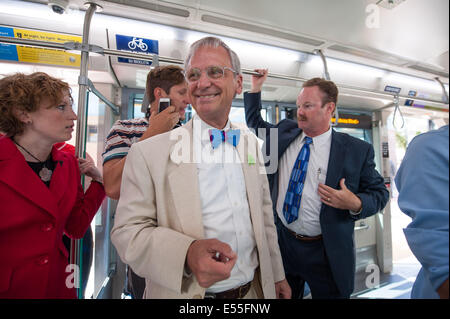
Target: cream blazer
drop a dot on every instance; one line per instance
(159, 213)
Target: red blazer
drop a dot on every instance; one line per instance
(33, 217)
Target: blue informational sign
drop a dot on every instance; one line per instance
(6, 32)
(409, 102)
(392, 89)
(136, 44)
(8, 51)
(412, 93)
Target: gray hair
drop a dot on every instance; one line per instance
(213, 42)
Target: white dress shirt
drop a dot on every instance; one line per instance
(308, 222)
(226, 214)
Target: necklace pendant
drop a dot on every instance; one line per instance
(45, 174)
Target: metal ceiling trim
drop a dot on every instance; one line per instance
(149, 57)
(372, 54)
(153, 7)
(261, 30)
(422, 68)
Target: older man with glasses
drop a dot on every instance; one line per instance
(200, 225)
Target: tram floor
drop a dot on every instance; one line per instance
(396, 284)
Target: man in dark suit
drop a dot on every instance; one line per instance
(324, 182)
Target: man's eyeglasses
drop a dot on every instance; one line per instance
(213, 72)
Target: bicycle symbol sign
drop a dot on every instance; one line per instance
(137, 43)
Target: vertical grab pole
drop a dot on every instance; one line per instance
(80, 144)
(327, 77)
(80, 147)
(444, 92)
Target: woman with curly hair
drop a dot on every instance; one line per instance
(40, 190)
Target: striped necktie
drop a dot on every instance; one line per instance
(295, 188)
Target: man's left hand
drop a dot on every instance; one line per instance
(283, 290)
(339, 198)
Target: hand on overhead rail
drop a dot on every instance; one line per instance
(258, 80)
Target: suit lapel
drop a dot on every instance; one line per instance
(183, 183)
(336, 161)
(58, 184)
(15, 172)
(247, 150)
(286, 139)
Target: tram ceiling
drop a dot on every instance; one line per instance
(285, 78)
(411, 36)
(350, 96)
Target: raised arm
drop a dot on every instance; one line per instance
(252, 102)
(87, 203)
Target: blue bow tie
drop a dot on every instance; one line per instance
(217, 136)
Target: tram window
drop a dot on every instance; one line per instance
(264, 114)
(291, 114)
(237, 115)
(92, 133)
(137, 104)
(412, 126)
(362, 134)
(288, 113)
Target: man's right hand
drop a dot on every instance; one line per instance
(210, 260)
(258, 81)
(161, 122)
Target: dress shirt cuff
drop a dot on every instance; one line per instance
(250, 92)
(354, 213)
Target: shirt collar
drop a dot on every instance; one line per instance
(318, 140)
(201, 129)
